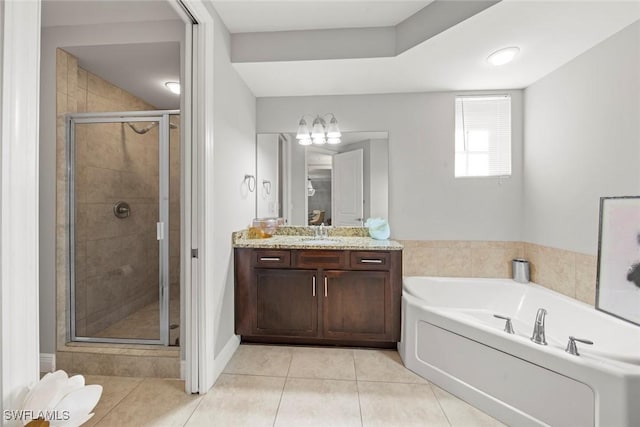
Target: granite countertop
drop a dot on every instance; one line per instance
(345, 238)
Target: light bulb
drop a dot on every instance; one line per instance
(304, 141)
(333, 141)
(173, 87)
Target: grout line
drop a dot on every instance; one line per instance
(202, 397)
(359, 404)
(439, 404)
(284, 384)
(98, 421)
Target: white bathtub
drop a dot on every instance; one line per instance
(450, 337)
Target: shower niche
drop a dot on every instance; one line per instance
(124, 226)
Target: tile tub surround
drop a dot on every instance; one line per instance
(81, 91)
(355, 238)
(569, 273)
(263, 386)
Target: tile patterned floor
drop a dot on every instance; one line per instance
(290, 386)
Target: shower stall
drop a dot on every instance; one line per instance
(123, 210)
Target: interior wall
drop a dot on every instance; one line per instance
(426, 202)
(234, 154)
(51, 39)
(582, 142)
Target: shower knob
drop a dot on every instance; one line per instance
(121, 209)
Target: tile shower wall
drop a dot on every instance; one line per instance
(116, 259)
(570, 273)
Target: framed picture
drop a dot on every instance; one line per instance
(618, 280)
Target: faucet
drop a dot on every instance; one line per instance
(538, 328)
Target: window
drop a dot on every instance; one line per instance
(483, 136)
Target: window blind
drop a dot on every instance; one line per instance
(483, 136)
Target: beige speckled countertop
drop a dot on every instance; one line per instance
(346, 238)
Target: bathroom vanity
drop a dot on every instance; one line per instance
(343, 290)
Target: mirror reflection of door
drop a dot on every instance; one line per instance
(319, 183)
(348, 191)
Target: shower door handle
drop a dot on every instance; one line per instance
(160, 230)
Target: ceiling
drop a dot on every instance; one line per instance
(253, 16)
(549, 34)
(141, 69)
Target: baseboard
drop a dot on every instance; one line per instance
(47, 362)
(225, 355)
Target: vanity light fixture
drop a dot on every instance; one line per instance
(173, 87)
(503, 56)
(320, 132)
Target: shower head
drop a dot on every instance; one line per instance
(148, 128)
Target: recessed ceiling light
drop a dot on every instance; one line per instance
(503, 56)
(173, 87)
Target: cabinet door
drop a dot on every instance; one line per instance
(285, 303)
(357, 305)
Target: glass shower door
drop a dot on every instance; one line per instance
(119, 222)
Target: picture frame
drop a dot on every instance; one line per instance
(618, 274)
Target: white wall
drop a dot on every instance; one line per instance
(582, 141)
(53, 37)
(379, 178)
(425, 201)
(234, 156)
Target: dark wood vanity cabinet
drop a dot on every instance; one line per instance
(306, 296)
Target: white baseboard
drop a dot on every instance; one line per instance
(225, 355)
(47, 362)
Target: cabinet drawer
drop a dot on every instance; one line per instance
(321, 259)
(371, 260)
(272, 258)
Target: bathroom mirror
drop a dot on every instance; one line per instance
(341, 184)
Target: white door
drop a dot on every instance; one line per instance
(347, 188)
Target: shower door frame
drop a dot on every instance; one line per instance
(162, 226)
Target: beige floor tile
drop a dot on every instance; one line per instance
(309, 402)
(154, 402)
(240, 400)
(383, 365)
(460, 413)
(322, 363)
(260, 360)
(395, 404)
(114, 390)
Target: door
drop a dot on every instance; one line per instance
(285, 303)
(347, 188)
(119, 226)
(357, 305)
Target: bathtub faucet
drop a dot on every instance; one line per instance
(538, 328)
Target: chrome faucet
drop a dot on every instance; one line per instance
(538, 328)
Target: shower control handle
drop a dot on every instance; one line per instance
(121, 209)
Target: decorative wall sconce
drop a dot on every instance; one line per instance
(320, 133)
(251, 182)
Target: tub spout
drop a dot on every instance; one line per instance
(538, 328)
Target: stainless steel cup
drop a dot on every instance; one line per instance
(521, 271)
